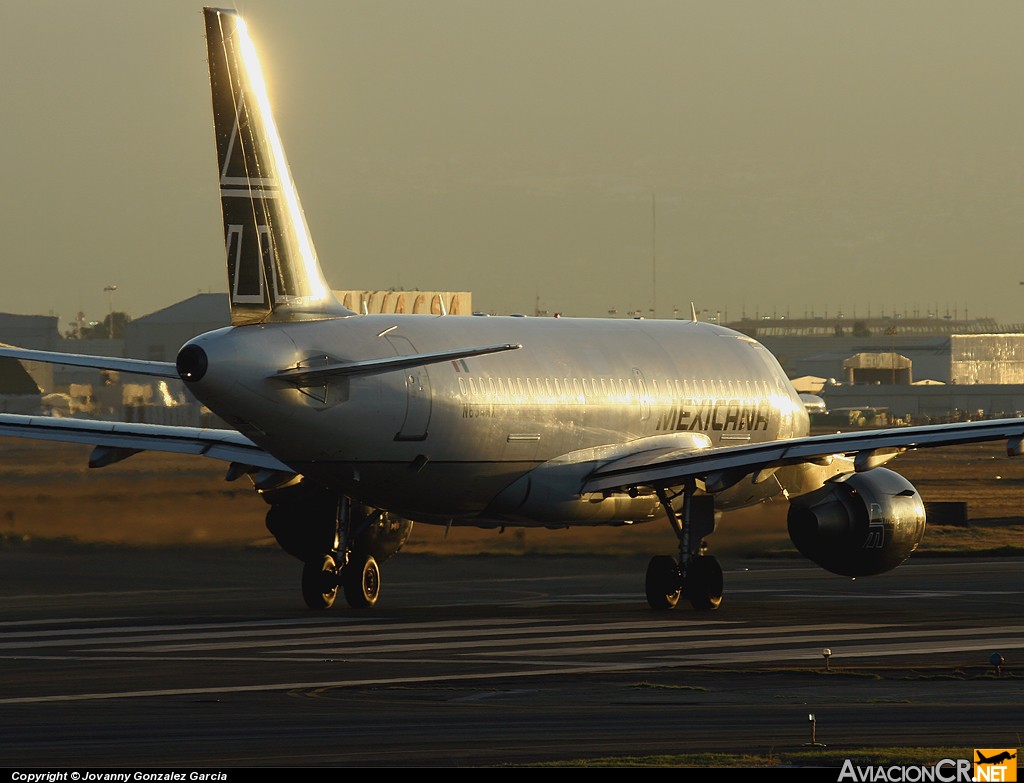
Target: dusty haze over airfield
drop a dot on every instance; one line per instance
(748, 156)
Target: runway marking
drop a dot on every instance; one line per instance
(718, 659)
(55, 620)
(126, 629)
(324, 684)
(499, 648)
(860, 651)
(416, 633)
(204, 592)
(214, 630)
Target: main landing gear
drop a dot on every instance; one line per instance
(340, 543)
(696, 576)
(346, 566)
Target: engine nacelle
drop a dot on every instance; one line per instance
(858, 524)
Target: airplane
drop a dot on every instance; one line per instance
(996, 759)
(353, 427)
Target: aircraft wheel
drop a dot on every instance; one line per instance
(320, 582)
(704, 583)
(361, 581)
(662, 583)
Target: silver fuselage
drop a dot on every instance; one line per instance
(454, 441)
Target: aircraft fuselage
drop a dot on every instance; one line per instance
(403, 440)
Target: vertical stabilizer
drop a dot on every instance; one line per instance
(273, 272)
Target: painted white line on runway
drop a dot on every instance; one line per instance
(717, 659)
(204, 592)
(860, 651)
(59, 620)
(417, 634)
(126, 629)
(320, 685)
(74, 637)
(818, 641)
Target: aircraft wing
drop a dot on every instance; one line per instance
(115, 441)
(868, 448)
(115, 363)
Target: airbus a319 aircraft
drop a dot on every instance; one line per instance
(353, 427)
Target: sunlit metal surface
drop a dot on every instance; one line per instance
(273, 267)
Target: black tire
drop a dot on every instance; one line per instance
(319, 583)
(360, 580)
(662, 583)
(704, 583)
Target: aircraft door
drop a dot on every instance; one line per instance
(419, 397)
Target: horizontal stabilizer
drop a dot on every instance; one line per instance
(113, 363)
(308, 376)
(120, 439)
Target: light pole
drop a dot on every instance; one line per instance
(110, 308)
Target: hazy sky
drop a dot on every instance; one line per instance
(747, 156)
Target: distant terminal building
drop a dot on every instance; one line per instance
(878, 368)
(986, 358)
(907, 368)
(158, 335)
(38, 332)
(822, 347)
(840, 326)
(413, 302)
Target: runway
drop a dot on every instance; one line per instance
(208, 659)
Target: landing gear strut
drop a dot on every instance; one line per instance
(340, 541)
(696, 576)
(347, 567)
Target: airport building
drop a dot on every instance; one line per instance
(902, 369)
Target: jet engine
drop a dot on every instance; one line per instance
(858, 524)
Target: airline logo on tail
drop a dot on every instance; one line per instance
(251, 247)
(273, 272)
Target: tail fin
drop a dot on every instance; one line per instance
(273, 272)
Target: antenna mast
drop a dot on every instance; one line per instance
(654, 255)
